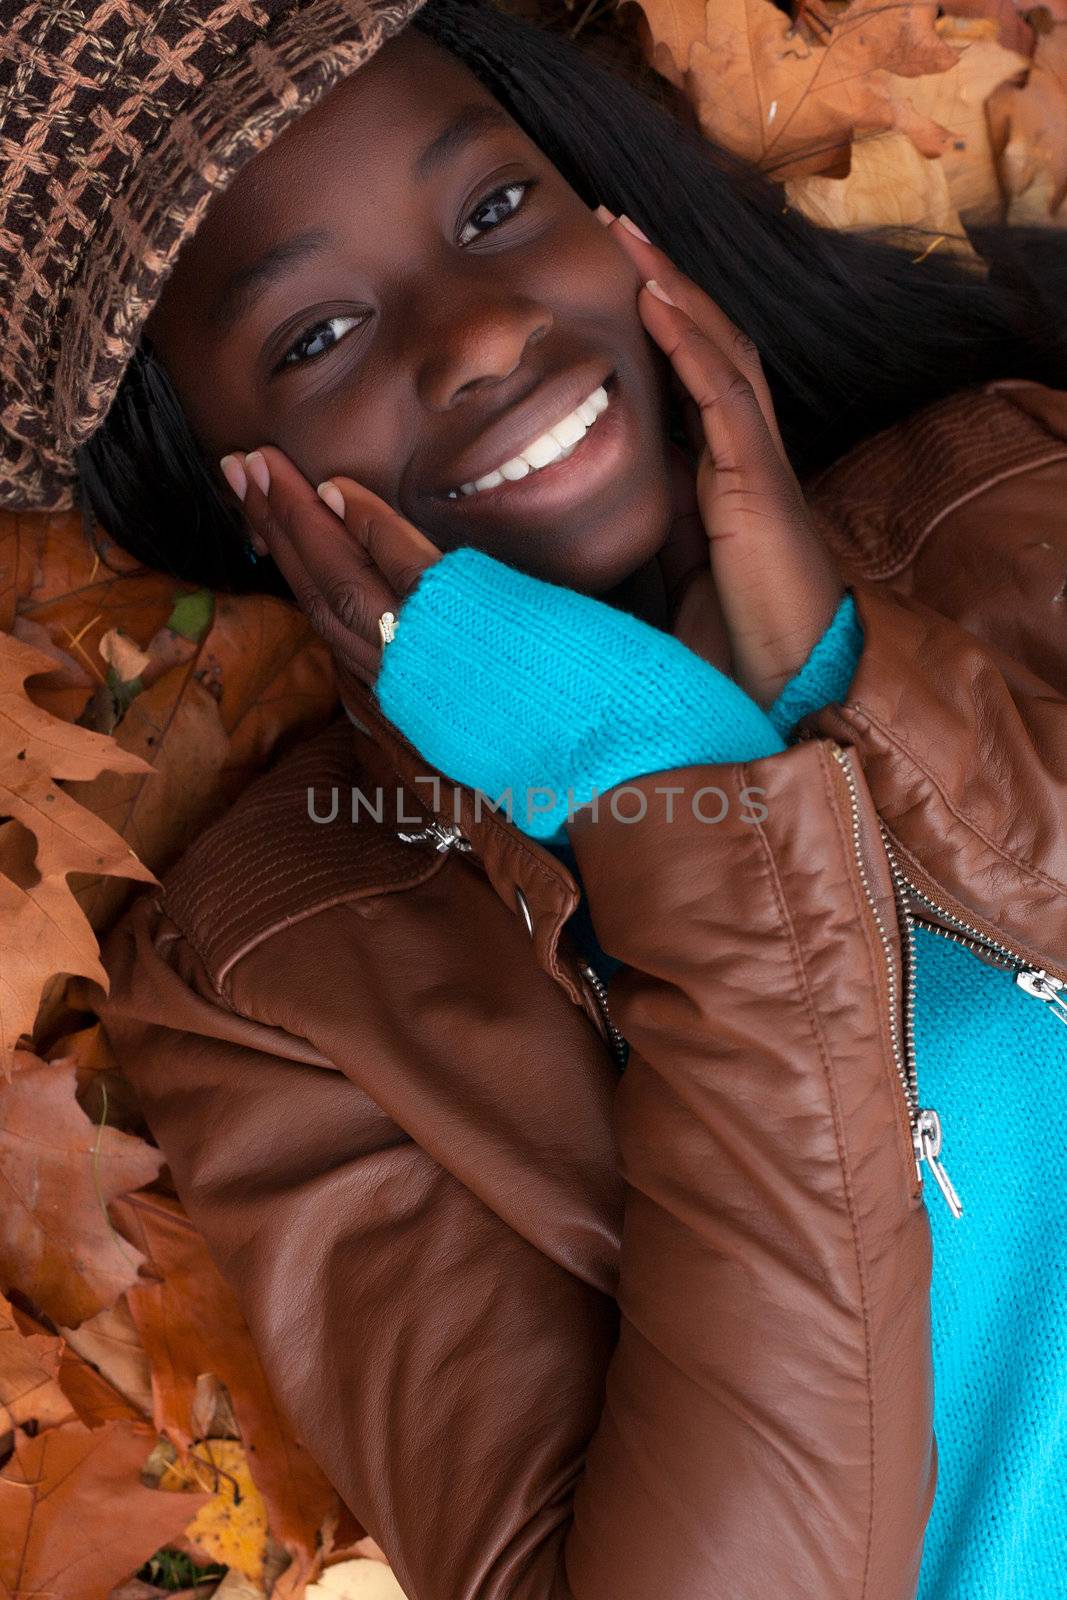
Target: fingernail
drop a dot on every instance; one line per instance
(258, 471)
(659, 291)
(234, 474)
(634, 229)
(605, 216)
(331, 494)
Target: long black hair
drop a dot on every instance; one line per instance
(855, 329)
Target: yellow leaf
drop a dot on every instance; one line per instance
(231, 1527)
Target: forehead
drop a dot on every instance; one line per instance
(351, 155)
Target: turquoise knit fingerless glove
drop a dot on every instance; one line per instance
(542, 697)
(824, 678)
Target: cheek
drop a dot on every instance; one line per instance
(359, 435)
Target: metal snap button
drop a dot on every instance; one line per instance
(524, 908)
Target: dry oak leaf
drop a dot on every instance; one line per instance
(57, 1243)
(74, 1517)
(890, 182)
(190, 1323)
(110, 1344)
(83, 1392)
(45, 931)
(1028, 129)
(790, 100)
(29, 1375)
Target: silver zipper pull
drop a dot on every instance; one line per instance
(443, 836)
(1035, 981)
(928, 1148)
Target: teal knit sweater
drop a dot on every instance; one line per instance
(509, 683)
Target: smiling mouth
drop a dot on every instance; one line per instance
(555, 445)
(590, 474)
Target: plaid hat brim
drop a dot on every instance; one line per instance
(118, 124)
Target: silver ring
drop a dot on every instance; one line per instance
(387, 628)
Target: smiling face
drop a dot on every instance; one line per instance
(435, 298)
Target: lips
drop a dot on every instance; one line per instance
(550, 402)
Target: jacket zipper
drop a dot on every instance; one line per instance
(442, 835)
(924, 1122)
(1032, 980)
(618, 1043)
(447, 836)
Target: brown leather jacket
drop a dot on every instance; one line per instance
(560, 1334)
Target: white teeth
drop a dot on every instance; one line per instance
(570, 430)
(556, 444)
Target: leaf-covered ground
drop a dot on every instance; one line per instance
(141, 1451)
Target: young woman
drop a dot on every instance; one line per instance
(555, 1331)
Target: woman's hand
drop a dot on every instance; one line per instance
(347, 559)
(770, 573)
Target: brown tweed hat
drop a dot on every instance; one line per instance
(118, 122)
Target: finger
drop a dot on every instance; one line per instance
(684, 552)
(734, 424)
(399, 550)
(652, 262)
(776, 580)
(334, 579)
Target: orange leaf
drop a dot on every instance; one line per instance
(74, 1517)
(57, 1243)
(44, 929)
(29, 1374)
(190, 1323)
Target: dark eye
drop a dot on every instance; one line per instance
(494, 209)
(505, 202)
(303, 349)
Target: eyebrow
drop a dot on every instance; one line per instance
(245, 286)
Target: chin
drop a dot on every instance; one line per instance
(606, 557)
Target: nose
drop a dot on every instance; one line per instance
(474, 342)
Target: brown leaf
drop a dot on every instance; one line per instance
(889, 182)
(29, 1367)
(45, 931)
(74, 1517)
(57, 1243)
(69, 671)
(185, 750)
(110, 1344)
(1028, 128)
(790, 99)
(190, 1323)
(958, 99)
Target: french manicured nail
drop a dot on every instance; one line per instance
(234, 474)
(258, 471)
(659, 291)
(605, 216)
(331, 494)
(634, 229)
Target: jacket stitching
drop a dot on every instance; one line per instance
(902, 745)
(817, 1033)
(891, 565)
